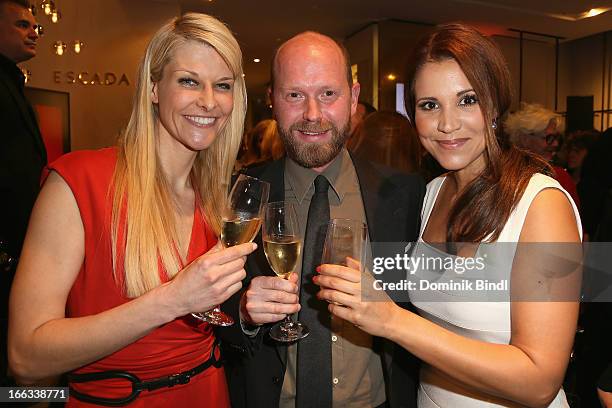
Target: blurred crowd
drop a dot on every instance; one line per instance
(577, 157)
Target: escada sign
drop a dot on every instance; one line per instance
(85, 78)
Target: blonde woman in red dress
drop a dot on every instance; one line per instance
(122, 247)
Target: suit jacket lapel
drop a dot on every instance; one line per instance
(274, 174)
(369, 183)
(378, 210)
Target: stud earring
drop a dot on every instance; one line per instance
(494, 124)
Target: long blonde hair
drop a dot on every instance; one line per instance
(143, 220)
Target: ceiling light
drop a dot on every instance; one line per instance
(47, 6)
(560, 16)
(55, 16)
(59, 47)
(595, 12)
(391, 77)
(256, 60)
(587, 14)
(78, 45)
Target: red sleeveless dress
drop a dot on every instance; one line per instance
(175, 347)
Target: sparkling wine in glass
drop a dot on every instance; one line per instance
(240, 224)
(282, 246)
(237, 231)
(345, 238)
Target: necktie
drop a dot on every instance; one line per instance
(314, 361)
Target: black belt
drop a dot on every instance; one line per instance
(137, 385)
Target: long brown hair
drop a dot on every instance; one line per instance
(386, 137)
(483, 207)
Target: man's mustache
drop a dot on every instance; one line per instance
(312, 127)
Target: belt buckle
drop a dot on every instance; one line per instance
(180, 378)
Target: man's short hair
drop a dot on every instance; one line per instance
(345, 53)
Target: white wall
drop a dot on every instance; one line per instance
(579, 67)
(538, 85)
(360, 48)
(115, 34)
(580, 72)
(585, 65)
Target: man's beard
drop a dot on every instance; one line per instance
(313, 155)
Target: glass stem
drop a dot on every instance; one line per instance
(287, 324)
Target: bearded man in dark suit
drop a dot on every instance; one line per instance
(313, 98)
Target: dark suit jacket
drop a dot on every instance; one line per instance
(22, 157)
(255, 367)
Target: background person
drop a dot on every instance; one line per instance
(271, 144)
(475, 353)
(138, 227)
(386, 137)
(363, 109)
(262, 144)
(576, 148)
(539, 130)
(22, 151)
(604, 388)
(593, 352)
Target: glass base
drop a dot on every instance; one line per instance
(214, 317)
(287, 332)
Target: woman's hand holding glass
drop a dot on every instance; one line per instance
(352, 297)
(241, 222)
(345, 282)
(210, 279)
(345, 241)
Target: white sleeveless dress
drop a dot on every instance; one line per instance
(480, 319)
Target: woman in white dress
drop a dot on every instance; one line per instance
(477, 353)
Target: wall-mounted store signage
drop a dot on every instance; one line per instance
(86, 78)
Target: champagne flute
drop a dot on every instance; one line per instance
(345, 238)
(241, 220)
(282, 246)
